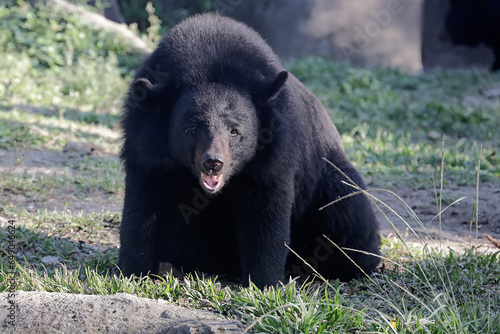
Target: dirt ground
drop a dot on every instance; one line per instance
(415, 219)
(418, 221)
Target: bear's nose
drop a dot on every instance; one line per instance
(213, 165)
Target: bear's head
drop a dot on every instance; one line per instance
(214, 133)
(211, 128)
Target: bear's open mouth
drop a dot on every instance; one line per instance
(211, 182)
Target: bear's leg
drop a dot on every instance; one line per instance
(263, 228)
(139, 253)
(350, 223)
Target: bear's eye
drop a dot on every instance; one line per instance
(234, 132)
(192, 130)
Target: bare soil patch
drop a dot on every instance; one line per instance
(457, 227)
(55, 164)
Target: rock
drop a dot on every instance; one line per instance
(44, 312)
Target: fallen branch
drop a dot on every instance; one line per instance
(99, 21)
(494, 242)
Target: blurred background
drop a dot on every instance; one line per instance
(405, 34)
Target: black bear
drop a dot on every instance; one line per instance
(223, 153)
(471, 22)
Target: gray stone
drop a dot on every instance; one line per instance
(44, 312)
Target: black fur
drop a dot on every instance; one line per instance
(214, 98)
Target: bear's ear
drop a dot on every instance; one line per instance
(145, 95)
(277, 86)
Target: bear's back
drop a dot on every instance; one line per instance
(213, 48)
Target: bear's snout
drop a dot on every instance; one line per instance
(212, 164)
(211, 172)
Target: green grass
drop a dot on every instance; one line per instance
(62, 81)
(435, 292)
(53, 60)
(86, 177)
(393, 123)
